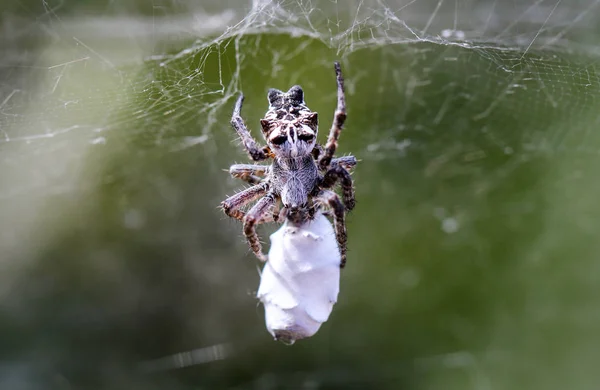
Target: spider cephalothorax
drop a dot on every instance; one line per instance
(289, 126)
(302, 172)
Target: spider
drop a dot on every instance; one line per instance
(302, 173)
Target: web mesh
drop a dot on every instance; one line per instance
(521, 47)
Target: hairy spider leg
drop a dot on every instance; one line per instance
(232, 204)
(346, 162)
(251, 173)
(256, 152)
(278, 212)
(317, 151)
(252, 218)
(331, 199)
(339, 118)
(337, 173)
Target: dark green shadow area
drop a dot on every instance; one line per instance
(472, 249)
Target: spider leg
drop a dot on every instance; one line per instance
(252, 218)
(276, 214)
(239, 215)
(249, 172)
(337, 173)
(232, 204)
(256, 152)
(346, 162)
(338, 121)
(317, 151)
(332, 200)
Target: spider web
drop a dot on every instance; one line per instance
(114, 137)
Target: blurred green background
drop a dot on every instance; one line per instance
(473, 249)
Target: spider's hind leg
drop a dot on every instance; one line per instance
(253, 218)
(331, 199)
(231, 206)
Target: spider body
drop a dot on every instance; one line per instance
(302, 172)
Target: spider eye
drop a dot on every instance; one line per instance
(279, 140)
(306, 137)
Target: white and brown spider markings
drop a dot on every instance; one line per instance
(302, 173)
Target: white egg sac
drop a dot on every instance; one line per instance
(300, 283)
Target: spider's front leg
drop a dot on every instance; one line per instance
(250, 173)
(333, 201)
(337, 173)
(338, 121)
(254, 217)
(256, 152)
